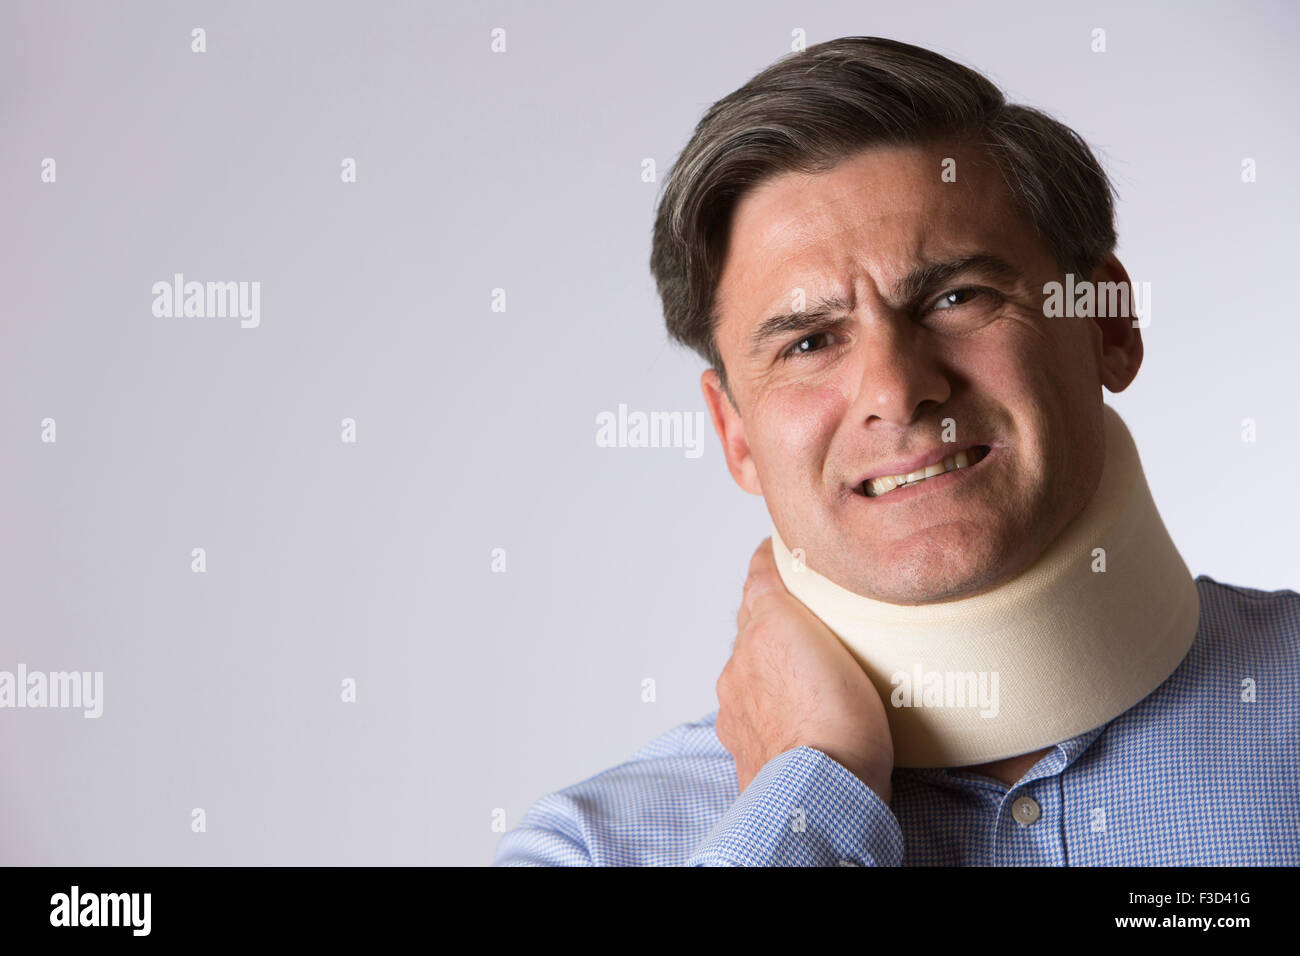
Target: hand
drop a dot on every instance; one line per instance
(791, 683)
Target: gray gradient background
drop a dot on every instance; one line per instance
(476, 429)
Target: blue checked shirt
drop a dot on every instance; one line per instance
(1203, 771)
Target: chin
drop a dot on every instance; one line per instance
(940, 564)
(930, 588)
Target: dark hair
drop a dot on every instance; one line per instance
(811, 109)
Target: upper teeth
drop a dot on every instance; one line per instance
(886, 483)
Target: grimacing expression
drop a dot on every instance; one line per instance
(858, 311)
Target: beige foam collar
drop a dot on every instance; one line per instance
(1060, 649)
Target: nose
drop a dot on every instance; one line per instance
(900, 370)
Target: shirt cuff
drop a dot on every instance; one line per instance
(804, 809)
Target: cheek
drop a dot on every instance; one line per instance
(1045, 367)
(1014, 357)
(1034, 372)
(798, 423)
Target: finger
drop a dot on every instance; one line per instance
(758, 562)
(764, 584)
(763, 556)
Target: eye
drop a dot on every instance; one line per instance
(798, 348)
(956, 297)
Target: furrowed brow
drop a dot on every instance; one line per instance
(918, 282)
(928, 277)
(779, 326)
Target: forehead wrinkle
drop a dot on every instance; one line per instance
(823, 249)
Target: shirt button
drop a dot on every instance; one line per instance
(847, 863)
(1026, 811)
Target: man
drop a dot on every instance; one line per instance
(970, 639)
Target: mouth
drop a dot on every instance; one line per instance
(947, 469)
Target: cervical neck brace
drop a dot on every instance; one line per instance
(1058, 650)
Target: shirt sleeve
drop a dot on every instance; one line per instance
(550, 835)
(804, 809)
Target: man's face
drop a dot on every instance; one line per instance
(906, 360)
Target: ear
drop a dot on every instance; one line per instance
(1120, 348)
(731, 432)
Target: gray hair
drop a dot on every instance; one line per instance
(811, 109)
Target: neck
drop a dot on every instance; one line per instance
(1092, 626)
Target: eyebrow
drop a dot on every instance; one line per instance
(907, 290)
